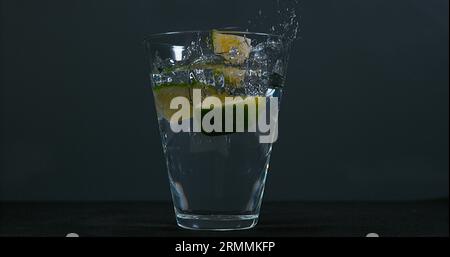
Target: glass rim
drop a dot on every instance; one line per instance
(149, 38)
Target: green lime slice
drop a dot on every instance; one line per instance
(232, 75)
(164, 94)
(225, 43)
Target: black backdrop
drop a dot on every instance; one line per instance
(365, 115)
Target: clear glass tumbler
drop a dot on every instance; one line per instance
(216, 178)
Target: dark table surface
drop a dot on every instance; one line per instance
(425, 218)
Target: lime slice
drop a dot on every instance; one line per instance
(165, 93)
(245, 103)
(233, 75)
(234, 49)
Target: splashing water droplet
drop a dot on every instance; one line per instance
(284, 20)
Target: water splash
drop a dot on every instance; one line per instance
(264, 69)
(289, 26)
(283, 20)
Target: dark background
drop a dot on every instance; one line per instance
(365, 115)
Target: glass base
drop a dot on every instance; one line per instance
(216, 222)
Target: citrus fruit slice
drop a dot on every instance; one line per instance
(232, 75)
(235, 49)
(165, 93)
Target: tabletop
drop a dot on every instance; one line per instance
(277, 219)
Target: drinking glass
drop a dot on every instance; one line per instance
(216, 179)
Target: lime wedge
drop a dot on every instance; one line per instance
(164, 94)
(233, 76)
(235, 49)
(243, 103)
